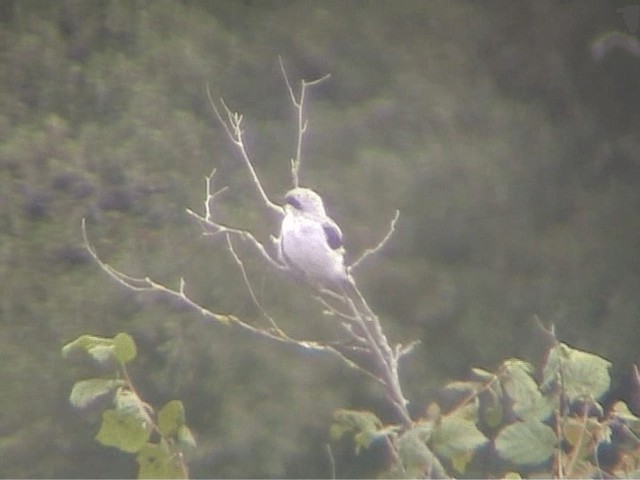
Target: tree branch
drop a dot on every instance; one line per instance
(233, 127)
(301, 120)
(382, 243)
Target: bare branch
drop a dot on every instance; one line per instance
(302, 121)
(332, 461)
(233, 127)
(213, 228)
(345, 304)
(247, 283)
(147, 285)
(382, 243)
(381, 350)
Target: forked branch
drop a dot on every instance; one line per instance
(360, 325)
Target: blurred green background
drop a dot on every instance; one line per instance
(510, 149)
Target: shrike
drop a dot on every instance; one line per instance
(310, 241)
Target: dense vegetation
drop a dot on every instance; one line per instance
(510, 150)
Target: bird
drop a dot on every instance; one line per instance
(310, 241)
(311, 246)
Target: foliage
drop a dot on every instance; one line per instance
(159, 440)
(555, 428)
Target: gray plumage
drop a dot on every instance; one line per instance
(310, 241)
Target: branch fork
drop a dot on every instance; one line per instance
(358, 323)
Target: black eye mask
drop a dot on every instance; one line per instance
(294, 202)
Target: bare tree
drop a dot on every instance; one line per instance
(360, 326)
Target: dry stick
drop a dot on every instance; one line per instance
(145, 284)
(384, 356)
(302, 122)
(377, 341)
(371, 251)
(218, 228)
(332, 461)
(247, 283)
(233, 127)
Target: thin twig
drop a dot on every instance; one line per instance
(147, 285)
(383, 355)
(371, 251)
(233, 127)
(301, 120)
(214, 228)
(332, 461)
(247, 283)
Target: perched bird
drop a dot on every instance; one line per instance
(310, 241)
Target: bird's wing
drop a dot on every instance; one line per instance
(332, 233)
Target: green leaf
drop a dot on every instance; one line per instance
(585, 374)
(123, 431)
(528, 401)
(349, 421)
(124, 348)
(455, 437)
(363, 425)
(86, 391)
(621, 411)
(171, 417)
(127, 402)
(526, 443)
(156, 461)
(414, 454)
(185, 438)
(100, 348)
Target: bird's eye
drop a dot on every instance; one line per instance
(294, 202)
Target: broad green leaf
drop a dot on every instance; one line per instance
(526, 443)
(528, 401)
(585, 374)
(364, 426)
(124, 348)
(156, 461)
(414, 454)
(100, 348)
(363, 439)
(86, 391)
(455, 437)
(621, 410)
(185, 438)
(123, 431)
(127, 402)
(171, 417)
(459, 461)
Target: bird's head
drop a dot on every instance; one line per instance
(304, 200)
